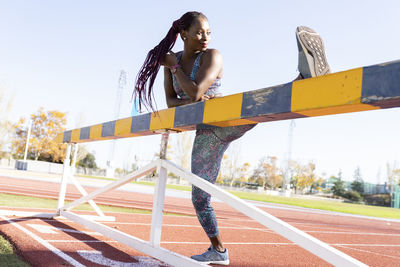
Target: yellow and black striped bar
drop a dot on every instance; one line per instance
(361, 89)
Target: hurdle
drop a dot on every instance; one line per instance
(361, 89)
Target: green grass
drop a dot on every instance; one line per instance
(8, 257)
(169, 186)
(35, 202)
(358, 209)
(96, 177)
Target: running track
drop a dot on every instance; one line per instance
(60, 242)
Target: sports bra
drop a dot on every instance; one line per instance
(212, 90)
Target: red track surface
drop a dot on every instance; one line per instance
(374, 242)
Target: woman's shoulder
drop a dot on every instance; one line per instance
(211, 55)
(212, 52)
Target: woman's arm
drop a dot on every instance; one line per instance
(209, 70)
(170, 95)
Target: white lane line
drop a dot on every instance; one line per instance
(53, 249)
(350, 233)
(48, 229)
(225, 243)
(242, 227)
(370, 252)
(84, 241)
(228, 243)
(266, 230)
(368, 245)
(41, 219)
(98, 258)
(191, 226)
(43, 229)
(271, 243)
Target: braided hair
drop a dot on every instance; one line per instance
(145, 79)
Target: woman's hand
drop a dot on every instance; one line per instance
(170, 60)
(205, 97)
(208, 97)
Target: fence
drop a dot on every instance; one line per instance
(396, 197)
(360, 89)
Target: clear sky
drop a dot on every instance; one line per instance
(67, 55)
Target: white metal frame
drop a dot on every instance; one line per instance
(153, 248)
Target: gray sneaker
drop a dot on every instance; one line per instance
(211, 256)
(312, 58)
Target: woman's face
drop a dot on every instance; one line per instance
(197, 36)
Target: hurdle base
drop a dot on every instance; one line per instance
(157, 252)
(33, 214)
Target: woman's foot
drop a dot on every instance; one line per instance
(212, 256)
(312, 57)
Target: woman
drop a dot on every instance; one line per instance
(191, 75)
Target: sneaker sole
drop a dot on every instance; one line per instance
(313, 48)
(226, 262)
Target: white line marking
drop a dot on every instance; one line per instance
(368, 245)
(351, 233)
(270, 243)
(97, 257)
(242, 227)
(371, 252)
(239, 227)
(47, 229)
(43, 229)
(194, 226)
(53, 249)
(226, 243)
(84, 241)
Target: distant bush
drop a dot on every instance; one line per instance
(353, 196)
(378, 200)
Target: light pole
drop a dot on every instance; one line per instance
(27, 139)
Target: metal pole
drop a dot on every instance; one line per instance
(65, 176)
(76, 146)
(27, 140)
(164, 145)
(159, 195)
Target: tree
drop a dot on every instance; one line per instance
(338, 188)
(304, 176)
(273, 178)
(81, 153)
(353, 196)
(258, 173)
(89, 161)
(311, 179)
(267, 174)
(42, 145)
(393, 175)
(244, 173)
(6, 127)
(181, 149)
(358, 184)
(231, 169)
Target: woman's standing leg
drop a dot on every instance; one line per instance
(207, 154)
(208, 149)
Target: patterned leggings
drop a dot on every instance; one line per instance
(209, 146)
